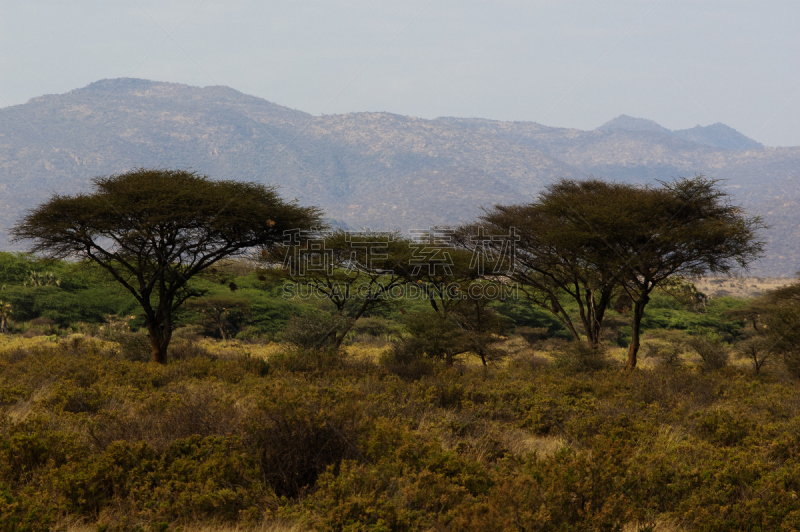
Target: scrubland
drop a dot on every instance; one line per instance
(237, 435)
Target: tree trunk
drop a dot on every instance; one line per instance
(339, 338)
(159, 351)
(638, 314)
(337, 343)
(159, 341)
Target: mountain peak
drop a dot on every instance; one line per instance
(720, 136)
(716, 135)
(122, 84)
(629, 123)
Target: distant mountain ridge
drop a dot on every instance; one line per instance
(377, 170)
(717, 135)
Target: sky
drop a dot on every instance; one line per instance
(560, 63)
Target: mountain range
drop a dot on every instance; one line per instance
(376, 170)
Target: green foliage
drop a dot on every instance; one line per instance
(431, 334)
(523, 314)
(84, 294)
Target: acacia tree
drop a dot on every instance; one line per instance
(552, 258)
(153, 230)
(686, 228)
(482, 327)
(591, 240)
(356, 271)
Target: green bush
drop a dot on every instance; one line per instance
(312, 332)
(433, 335)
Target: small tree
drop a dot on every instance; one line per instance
(356, 272)
(220, 312)
(440, 269)
(482, 326)
(773, 328)
(153, 230)
(436, 335)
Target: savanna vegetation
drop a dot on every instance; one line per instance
(369, 387)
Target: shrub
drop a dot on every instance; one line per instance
(403, 360)
(721, 427)
(305, 360)
(433, 335)
(32, 333)
(668, 355)
(578, 356)
(195, 478)
(312, 332)
(666, 347)
(791, 360)
(166, 417)
(133, 346)
(407, 484)
(296, 442)
(756, 349)
(568, 491)
(189, 349)
(375, 327)
(713, 352)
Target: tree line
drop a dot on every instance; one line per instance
(600, 244)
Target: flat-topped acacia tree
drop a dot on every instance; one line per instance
(590, 240)
(153, 230)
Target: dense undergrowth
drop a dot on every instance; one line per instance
(382, 435)
(92, 436)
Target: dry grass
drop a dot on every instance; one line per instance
(485, 439)
(741, 287)
(520, 442)
(657, 526)
(270, 526)
(233, 348)
(365, 352)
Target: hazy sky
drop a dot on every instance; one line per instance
(559, 63)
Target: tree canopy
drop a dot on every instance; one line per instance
(153, 230)
(595, 240)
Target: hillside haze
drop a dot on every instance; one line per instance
(376, 170)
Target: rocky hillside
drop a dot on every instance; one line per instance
(375, 170)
